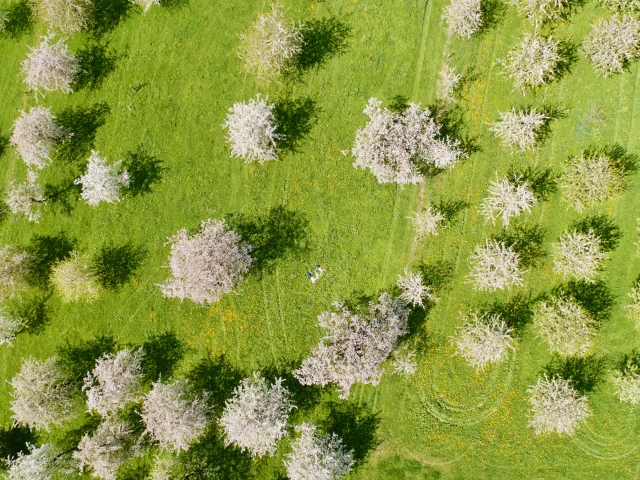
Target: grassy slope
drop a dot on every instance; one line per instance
(358, 229)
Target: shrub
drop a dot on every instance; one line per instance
(612, 44)
(464, 17)
(533, 62)
(75, 280)
(50, 67)
(519, 129)
(26, 199)
(484, 339)
(495, 266)
(34, 135)
(507, 199)
(541, 11)
(318, 456)
(578, 255)
(102, 182)
(252, 130)
(414, 291)
(45, 462)
(566, 326)
(355, 345)
(65, 16)
(10, 326)
(13, 271)
(255, 417)
(556, 406)
(428, 222)
(271, 45)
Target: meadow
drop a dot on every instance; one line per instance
(158, 88)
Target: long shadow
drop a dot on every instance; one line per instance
(161, 355)
(304, 397)
(137, 469)
(61, 196)
(116, 265)
(628, 360)
(19, 20)
(106, 15)
(516, 312)
(626, 162)
(4, 144)
(603, 227)
(68, 440)
(527, 243)
(356, 426)
(493, 12)
(278, 234)
(542, 181)
(438, 274)
(44, 251)
(81, 125)
(451, 209)
(33, 310)
(78, 359)
(323, 39)
(568, 52)
(96, 62)
(453, 125)
(14, 440)
(174, 4)
(595, 297)
(295, 119)
(585, 373)
(216, 376)
(144, 170)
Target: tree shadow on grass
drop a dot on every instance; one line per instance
(516, 312)
(493, 12)
(68, 439)
(4, 144)
(61, 196)
(116, 265)
(19, 20)
(44, 251)
(80, 124)
(603, 227)
(355, 425)
(437, 275)
(323, 39)
(527, 243)
(451, 209)
(96, 62)
(542, 181)
(106, 15)
(277, 234)
(304, 397)
(216, 376)
(453, 125)
(161, 354)
(568, 52)
(295, 119)
(174, 4)
(78, 359)
(14, 440)
(144, 170)
(585, 373)
(33, 311)
(595, 297)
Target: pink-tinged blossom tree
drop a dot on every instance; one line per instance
(50, 67)
(207, 265)
(355, 345)
(483, 340)
(34, 135)
(255, 417)
(102, 182)
(612, 44)
(495, 266)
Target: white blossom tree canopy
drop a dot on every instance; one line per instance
(448, 83)
(463, 17)
(114, 382)
(317, 456)
(13, 271)
(578, 255)
(541, 11)
(428, 222)
(565, 326)
(495, 266)
(612, 44)
(146, 4)
(626, 382)
(556, 406)
(519, 129)
(404, 363)
(355, 345)
(393, 146)
(630, 6)
(255, 417)
(251, 130)
(34, 135)
(42, 397)
(50, 67)
(65, 16)
(10, 326)
(75, 279)
(26, 199)
(102, 182)
(483, 340)
(414, 291)
(533, 62)
(270, 45)
(507, 199)
(206, 265)
(175, 418)
(45, 462)
(104, 451)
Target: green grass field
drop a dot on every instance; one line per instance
(175, 74)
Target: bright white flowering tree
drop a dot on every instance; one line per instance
(448, 83)
(578, 255)
(42, 397)
(206, 265)
(622, 5)
(75, 280)
(114, 382)
(588, 180)
(163, 467)
(612, 44)
(632, 308)
(50, 67)
(483, 340)
(65, 16)
(45, 462)
(626, 382)
(393, 146)
(26, 199)
(251, 130)
(532, 62)
(428, 222)
(414, 291)
(102, 182)
(507, 199)
(10, 326)
(463, 17)
(146, 4)
(13, 270)
(556, 406)
(174, 418)
(270, 45)
(255, 417)
(519, 129)
(104, 451)
(34, 135)
(541, 11)
(565, 326)
(495, 266)
(355, 345)
(317, 456)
